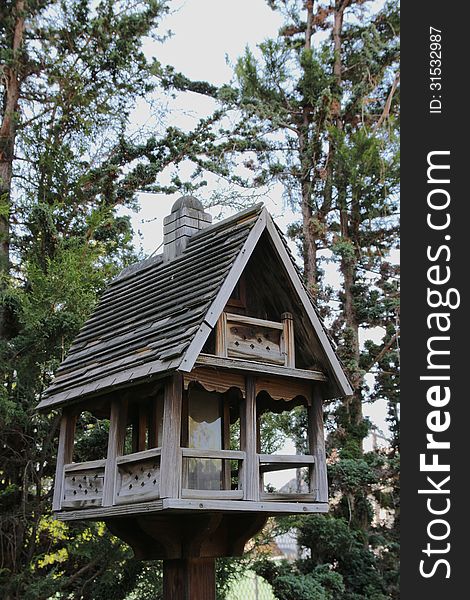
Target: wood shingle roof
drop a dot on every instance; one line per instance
(156, 316)
(149, 314)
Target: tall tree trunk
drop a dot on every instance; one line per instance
(8, 127)
(353, 418)
(335, 110)
(13, 530)
(349, 224)
(308, 233)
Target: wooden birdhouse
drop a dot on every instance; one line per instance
(185, 355)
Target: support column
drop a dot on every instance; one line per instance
(250, 467)
(319, 477)
(64, 454)
(189, 579)
(117, 434)
(170, 462)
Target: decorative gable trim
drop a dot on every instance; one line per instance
(265, 223)
(215, 310)
(344, 386)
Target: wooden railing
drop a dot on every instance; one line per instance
(225, 492)
(138, 476)
(83, 484)
(248, 338)
(137, 480)
(269, 463)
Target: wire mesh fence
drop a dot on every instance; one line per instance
(251, 587)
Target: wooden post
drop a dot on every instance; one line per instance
(143, 425)
(221, 336)
(189, 579)
(250, 467)
(318, 475)
(170, 462)
(64, 454)
(117, 435)
(288, 334)
(226, 464)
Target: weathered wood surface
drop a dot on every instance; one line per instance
(172, 535)
(183, 505)
(215, 380)
(247, 366)
(266, 506)
(171, 459)
(177, 232)
(124, 510)
(138, 481)
(117, 433)
(285, 461)
(236, 270)
(343, 388)
(91, 464)
(250, 464)
(203, 453)
(287, 497)
(152, 314)
(226, 464)
(226, 456)
(134, 531)
(270, 468)
(221, 336)
(274, 462)
(283, 389)
(262, 323)
(220, 379)
(157, 317)
(189, 579)
(288, 341)
(83, 484)
(64, 454)
(316, 434)
(212, 494)
(197, 535)
(254, 342)
(256, 228)
(138, 456)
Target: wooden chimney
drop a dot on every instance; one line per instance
(182, 359)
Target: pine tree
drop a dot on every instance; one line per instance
(71, 73)
(323, 97)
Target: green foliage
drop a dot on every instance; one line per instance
(227, 571)
(329, 141)
(81, 68)
(328, 111)
(291, 583)
(332, 540)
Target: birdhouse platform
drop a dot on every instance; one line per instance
(182, 363)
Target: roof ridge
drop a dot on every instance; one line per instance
(138, 266)
(251, 210)
(157, 259)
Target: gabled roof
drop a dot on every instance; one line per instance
(156, 316)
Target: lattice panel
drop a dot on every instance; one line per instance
(84, 486)
(139, 481)
(253, 342)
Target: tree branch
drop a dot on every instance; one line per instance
(380, 355)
